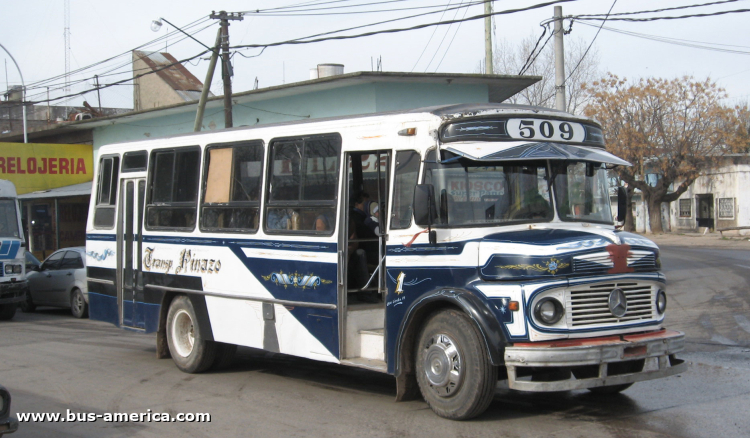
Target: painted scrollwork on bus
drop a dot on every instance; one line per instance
(303, 281)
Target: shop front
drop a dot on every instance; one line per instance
(53, 182)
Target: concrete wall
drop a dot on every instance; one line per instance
(730, 180)
(151, 91)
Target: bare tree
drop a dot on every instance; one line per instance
(579, 70)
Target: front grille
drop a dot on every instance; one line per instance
(589, 305)
(641, 259)
(592, 262)
(602, 261)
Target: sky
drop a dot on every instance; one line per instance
(33, 33)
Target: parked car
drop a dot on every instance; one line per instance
(8, 423)
(60, 281)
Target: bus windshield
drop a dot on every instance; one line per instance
(470, 193)
(8, 219)
(581, 192)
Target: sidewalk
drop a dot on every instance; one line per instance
(711, 240)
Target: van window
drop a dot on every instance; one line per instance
(106, 194)
(303, 185)
(231, 199)
(407, 171)
(173, 190)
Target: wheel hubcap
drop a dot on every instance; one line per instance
(442, 365)
(183, 334)
(78, 302)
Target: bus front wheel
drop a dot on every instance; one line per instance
(454, 371)
(190, 352)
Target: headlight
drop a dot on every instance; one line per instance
(12, 269)
(548, 311)
(661, 302)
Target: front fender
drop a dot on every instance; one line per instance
(470, 303)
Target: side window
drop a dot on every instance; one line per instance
(106, 192)
(173, 190)
(72, 260)
(134, 161)
(231, 199)
(407, 171)
(53, 262)
(303, 185)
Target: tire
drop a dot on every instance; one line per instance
(7, 311)
(224, 356)
(454, 372)
(614, 389)
(78, 306)
(190, 352)
(27, 306)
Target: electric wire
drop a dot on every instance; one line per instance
(529, 61)
(590, 44)
(447, 31)
(677, 41)
(662, 9)
(679, 17)
(451, 43)
(306, 40)
(429, 40)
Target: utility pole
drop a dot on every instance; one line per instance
(207, 83)
(98, 96)
(559, 60)
(226, 67)
(488, 69)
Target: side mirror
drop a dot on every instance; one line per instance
(622, 204)
(425, 210)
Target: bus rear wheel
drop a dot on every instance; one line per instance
(190, 352)
(454, 372)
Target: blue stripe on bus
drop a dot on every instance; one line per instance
(102, 237)
(245, 243)
(9, 249)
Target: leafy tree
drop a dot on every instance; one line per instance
(672, 128)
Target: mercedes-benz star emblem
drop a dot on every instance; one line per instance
(618, 303)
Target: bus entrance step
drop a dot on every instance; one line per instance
(371, 344)
(370, 364)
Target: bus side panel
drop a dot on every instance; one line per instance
(101, 269)
(240, 279)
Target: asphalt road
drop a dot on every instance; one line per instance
(52, 362)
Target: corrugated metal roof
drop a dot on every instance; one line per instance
(176, 76)
(60, 192)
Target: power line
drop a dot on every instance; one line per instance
(123, 80)
(375, 11)
(442, 40)
(529, 62)
(680, 17)
(677, 41)
(451, 43)
(429, 40)
(590, 44)
(304, 40)
(663, 9)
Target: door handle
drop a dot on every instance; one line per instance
(69, 273)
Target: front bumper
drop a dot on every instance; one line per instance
(9, 425)
(588, 363)
(13, 292)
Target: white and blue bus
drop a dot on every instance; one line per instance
(13, 285)
(452, 247)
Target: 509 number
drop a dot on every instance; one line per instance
(546, 129)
